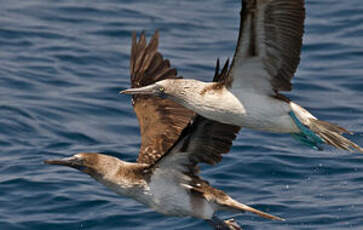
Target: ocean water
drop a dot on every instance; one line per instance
(62, 64)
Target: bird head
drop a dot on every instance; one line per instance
(94, 164)
(161, 89)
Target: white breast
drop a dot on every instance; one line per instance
(264, 112)
(171, 198)
(218, 105)
(247, 109)
(243, 107)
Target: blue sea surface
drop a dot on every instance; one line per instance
(63, 63)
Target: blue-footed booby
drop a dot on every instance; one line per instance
(265, 60)
(174, 141)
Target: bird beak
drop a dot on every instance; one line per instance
(146, 90)
(73, 162)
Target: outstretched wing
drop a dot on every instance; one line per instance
(269, 45)
(161, 120)
(202, 141)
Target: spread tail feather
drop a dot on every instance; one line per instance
(314, 132)
(332, 135)
(233, 204)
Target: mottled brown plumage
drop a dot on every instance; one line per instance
(247, 95)
(206, 139)
(165, 178)
(202, 141)
(161, 120)
(218, 79)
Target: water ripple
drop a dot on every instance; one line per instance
(64, 62)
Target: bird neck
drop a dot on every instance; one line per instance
(194, 94)
(211, 100)
(124, 178)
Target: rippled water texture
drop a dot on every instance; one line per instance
(62, 64)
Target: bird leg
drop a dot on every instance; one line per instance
(232, 224)
(219, 224)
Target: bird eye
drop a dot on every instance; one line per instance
(162, 92)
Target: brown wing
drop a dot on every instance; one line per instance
(161, 120)
(269, 44)
(205, 140)
(202, 141)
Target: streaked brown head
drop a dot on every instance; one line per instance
(94, 164)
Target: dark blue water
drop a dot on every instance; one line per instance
(62, 64)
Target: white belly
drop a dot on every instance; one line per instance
(266, 113)
(170, 198)
(164, 194)
(249, 110)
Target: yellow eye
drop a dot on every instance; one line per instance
(162, 92)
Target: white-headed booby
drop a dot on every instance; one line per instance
(165, 176)
(265, 60)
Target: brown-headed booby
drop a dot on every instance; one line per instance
(165, 176)
(265, 60)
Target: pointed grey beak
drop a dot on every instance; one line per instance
(146, 90)
(74, 162)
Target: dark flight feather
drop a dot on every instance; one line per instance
(161, 120)
(203, 140)
(273, 32)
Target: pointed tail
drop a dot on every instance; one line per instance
(233, 204)
(332, 135)
(314, 132)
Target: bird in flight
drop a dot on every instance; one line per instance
(265, 60)
(174, 141)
